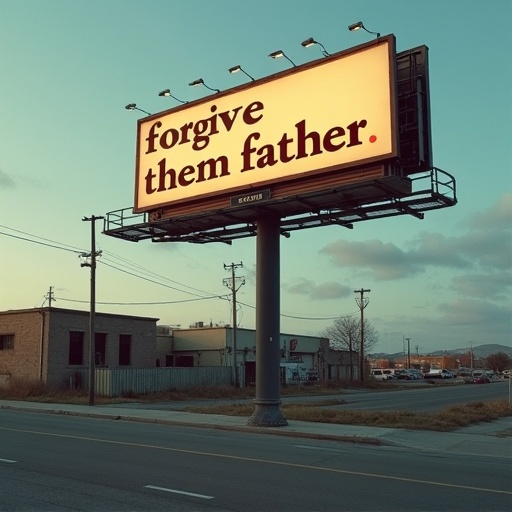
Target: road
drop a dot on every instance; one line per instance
(427, 399)
(412, 398)
(52, 462)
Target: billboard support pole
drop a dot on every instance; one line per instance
(268, 347)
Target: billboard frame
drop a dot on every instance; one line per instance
(211, 200)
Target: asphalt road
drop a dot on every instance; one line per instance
(411, 398)
(51, 462)
(432, 398)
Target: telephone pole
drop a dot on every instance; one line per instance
(234, 284)
(362, 302)
(408, 353)
(92, 315)
(49, 297)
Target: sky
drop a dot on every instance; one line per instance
(67, 151)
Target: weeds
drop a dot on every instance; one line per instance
(324, 411)
(446, 420)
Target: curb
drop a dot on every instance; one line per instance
(229, 428)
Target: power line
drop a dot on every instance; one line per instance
(41, 243)
(142, 303)
(151, 273)
(35, 236)
(303, 317)
(151, 280)
(68, 248)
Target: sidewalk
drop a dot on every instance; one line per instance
(491, 439)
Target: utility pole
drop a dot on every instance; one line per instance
(49, 297)
(234, 284)
(362, 302)
(408, 353)
(92, 315)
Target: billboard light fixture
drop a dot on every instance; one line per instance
(167, 93)
(358, 25)
(311, 41)
(133, 106)
(200, 81)
(278, 54)
(237, 68)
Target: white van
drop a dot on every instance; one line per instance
(382, 373)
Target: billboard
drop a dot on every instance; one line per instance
(321, 119)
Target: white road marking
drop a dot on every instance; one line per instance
(8, 461)
(174, 491)
(320, 448)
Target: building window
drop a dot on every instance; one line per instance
(100, 349)
(6, 341)
(76, 347)
(125, 349)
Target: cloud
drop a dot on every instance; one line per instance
(385, 260)
(489, 286)
(486, 247)
(6, 181)
(456, 324)
(463, 313)
(498, 216)
(437, 250)
(321, 291)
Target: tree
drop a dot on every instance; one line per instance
(345, 334)
(499, 361)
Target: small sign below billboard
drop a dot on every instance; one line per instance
(252, 197)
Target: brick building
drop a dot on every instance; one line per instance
(51, 344)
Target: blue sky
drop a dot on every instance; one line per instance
(67, 150)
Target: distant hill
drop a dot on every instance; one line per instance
(478, 351)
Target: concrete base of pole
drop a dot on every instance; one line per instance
(267, 414)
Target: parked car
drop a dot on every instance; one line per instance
(481, 378)
(506, 374)
(439, 374)
(409, 374)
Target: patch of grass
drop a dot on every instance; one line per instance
(446, 420)
(19, 389)
(248, 409)
(35, 391)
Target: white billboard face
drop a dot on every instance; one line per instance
(331, 114)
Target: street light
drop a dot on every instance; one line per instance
(237, 68)
(133, 106)
(311, 42)
(278, 54)
(200, 81)
(356, 26)
(167, 93)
